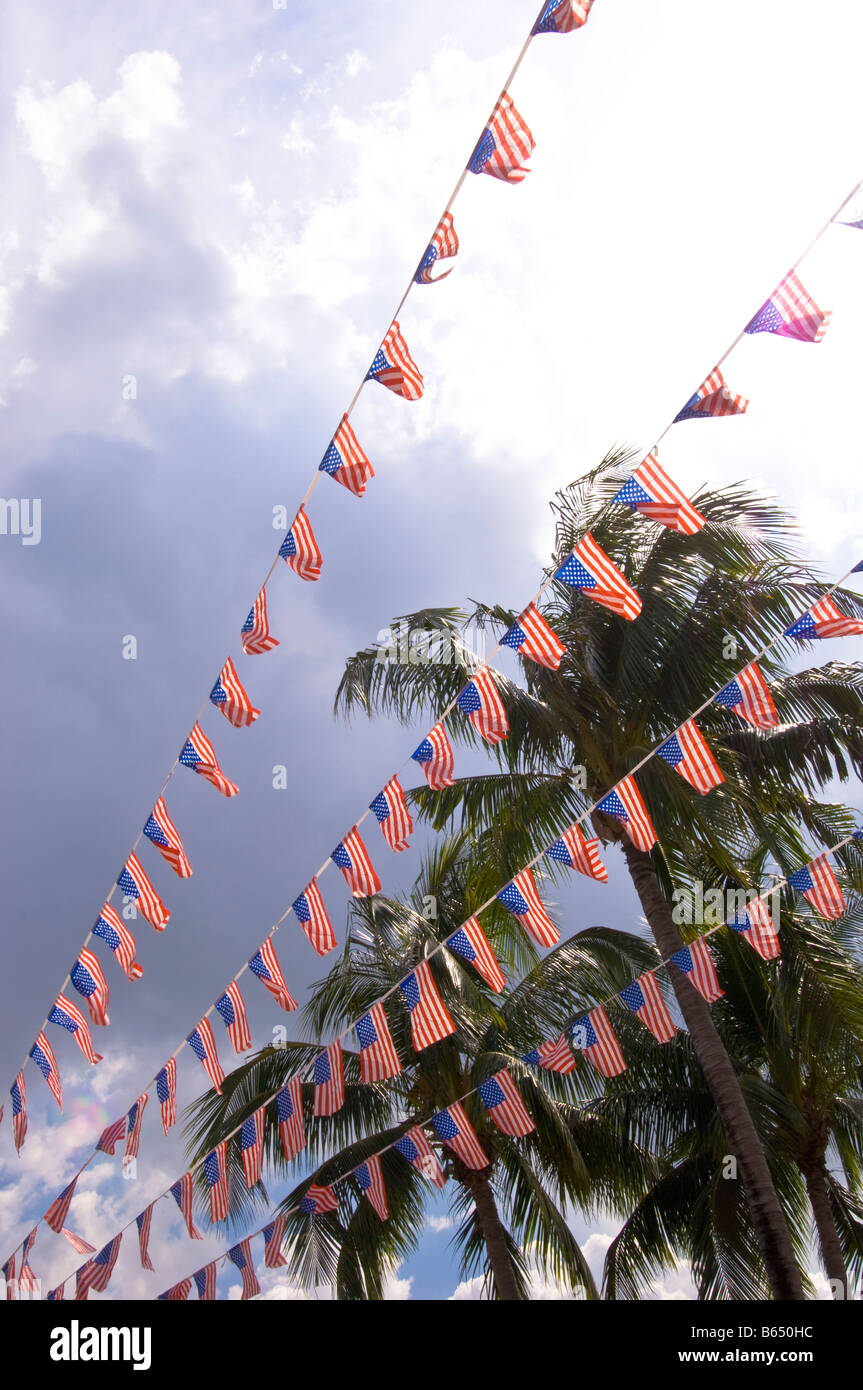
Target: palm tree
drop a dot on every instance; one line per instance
(707, 600)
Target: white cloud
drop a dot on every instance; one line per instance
(440, 1223)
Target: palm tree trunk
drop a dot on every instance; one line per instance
(815, 1175)
(767, 1216)
(493, 1230)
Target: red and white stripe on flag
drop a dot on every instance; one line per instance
(78, 1243)
(393, 815)
(556, 1055)
(439, 766)
(230, 698)
(200, 755)
(541, 643)
(166, 1093)
(489, 719)
(329, 1079)
(688, 753)
(443, 244)
(583, 854)
(265, 965)
(430, 1021)
(568, 15)
(216, 1173)
(399, 371)
(300, 550)
(289, 1109)
(274, 1239)
(611, 589)
(111, 1136)
(714, 398)
(205, 1282)
(179, 1292)
(830, 622)
(507, 1109)
(645, 999)
(312, 917)
(596, 1038)
(480, 954)
(510, 147)
(182, 1191)
(172, 852)
(670, 505)
(252, 1146)
(346, 461)
(319, 1199)
(696, 962)
(143, 1221)
(825, 895)
(756, 704)
(80, 1029)
(113, 931)
(803, 319)
(370, 1177)
(203, 1044)
(760, 933)
(134, 1120)
(59, 1209)
(378, 1057)
(255, 634)
(357, 870)
(147, 898)
(637, 824)
(536, 919)
(241, 1256)
(415, 1147)
(42, 1054)
(89, 980)
(455, 1129)
(232, 1009)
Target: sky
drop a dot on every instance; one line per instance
(211, 214)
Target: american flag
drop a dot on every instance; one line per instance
(265, 965)
(111, 1136)
(232, 1010)
(133, 1126)
(483, 706)
(395, 368)
(791, 312)
(9, 1276)
(523, 901)
(143, 1221)
(430, 1021)
(443, 244)
(817, 882)
(205, 1282)
(755, 926)
(579, 853)
(394, 818)
(252, 1145)
(27, 1281)
(346, 462)
(96, 1272)
(241, 1256)
(590, 570)
(454, 1128)
(312, 916)
(696, 962)
(43, 1055)
(166, 1093)
(300, 550)
(531, 636)
(59, 1209)
(378, 1057)
(507, 1109)
(67, 1015)
(162, 832)
(352, 858)
(289, 1108)
(255, 633)
(554, 1055)
(177, 1293)
(625, 803)
(117, 936)
(216, 1174)
(712, 398)
(78, 1243)
(418, 1151)
(370, 1177)
(134, 882)
(57, 1295)
(594, 1036)
(87, 977)
(274, 1239)
(329, 1079)
(645, 999)
(230, 698)
(505, 144)
(318, 1199)
(687, 752)
(203, 1044)
(470, 942)
(651, 492)
(19, 1110)
(199, 755)
(562, 16)
(749, 696)
(435, 757)
(824, 620)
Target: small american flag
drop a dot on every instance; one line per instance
(166, 1093)
(505, 144)
(470, 942)
(394, 818)
(712, 398)
(255, 633)
(27, 1281)
(43, 1055)
(78, 1243)
(749, 696)
(177, 1293)
(143, 1221)
(817, 882)
(791, 312)
(430, 1021)
(117, 936)
(198, 754)
(435, 757)
(134, 882)
(230, 698)
(203, 1044)
(531, 636)
(232, 1010)
(59, 1209)
(9, 1276)
(252, 1145)
(579, 853)
(96, 1273)
(346, 462)
(378, 1057)
(162, 832)
(755, 926)
(111, 1136)
(507, 1109)
(274, 1239)
(67, 1015)
(483, 706)
(395, 368)
(312, 916)
(594, 1036)
(696, 962)
(19, 1110)
(87, 977)
(590, 570)
(241, 1256)
(265, 965)
(443, 244)
(289, 1108)
(329, 1079)
(523, 901)
(352, 858)
(300, 550)
(824, 620)
(625, 803)
(454, 1128)
(133, 1126)
(318, 1199)
(57, 1295)
(554, 1055)
(687, 752)
(205, 1282)
(216, 1175)
(562, 16)
(651, 492)
(645, 999)
(418, 1151)
(370, 1177)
